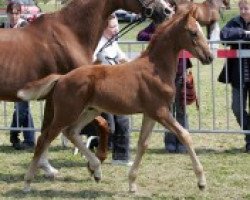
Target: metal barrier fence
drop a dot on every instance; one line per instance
(214, 115)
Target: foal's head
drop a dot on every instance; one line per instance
(192, 38)
(182, 31)
(158, 10)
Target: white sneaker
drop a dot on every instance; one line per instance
(122, 162)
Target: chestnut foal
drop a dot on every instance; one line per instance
(145, 85)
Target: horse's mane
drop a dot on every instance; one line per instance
(72, 7)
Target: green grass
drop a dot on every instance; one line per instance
(161, 176)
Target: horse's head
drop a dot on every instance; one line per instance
(158, 10)
(193, 39)
(227, 4)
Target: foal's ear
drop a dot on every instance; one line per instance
(193, 11)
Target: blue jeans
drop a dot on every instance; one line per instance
(238, 112)
(22, 118)
(120, 138)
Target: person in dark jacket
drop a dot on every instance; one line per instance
(237, 71)
(172, 144)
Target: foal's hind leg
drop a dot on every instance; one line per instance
(167, 120)
(72, 133)
(146, 130)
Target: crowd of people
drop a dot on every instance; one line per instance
(238, 28)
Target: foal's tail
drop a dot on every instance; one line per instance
(38, 89)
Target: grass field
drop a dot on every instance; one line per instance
(161, 176)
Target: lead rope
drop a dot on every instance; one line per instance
(122, 32)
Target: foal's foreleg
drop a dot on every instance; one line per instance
(146, 130)
(72, 133)
(102, 149)
(183, 135)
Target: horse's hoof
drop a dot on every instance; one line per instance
(133, 188)
(202, 187)
(97, 179)
(52, 174)
(97, 173)
(202, 183)
(26, 188)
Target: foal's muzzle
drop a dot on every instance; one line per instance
(207, 59)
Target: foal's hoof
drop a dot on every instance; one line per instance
(133, 188)
(202, 183)
(52, 174)
(202, 187)
(96, 173)
(97, 179)
(26, 188)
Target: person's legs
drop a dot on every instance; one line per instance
(26, 121)
(121, 140)
(172, 144)
(239, 110)
(14, 134)
(182, 118)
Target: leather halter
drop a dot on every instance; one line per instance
(147, 11)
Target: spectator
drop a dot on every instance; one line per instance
(238, 28)
(21, 115)
(119, 124)
(172, 144)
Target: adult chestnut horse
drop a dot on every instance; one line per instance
(207, 13)
(145, 85)
(58, 43)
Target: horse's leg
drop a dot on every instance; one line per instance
(146, 130)
(102, 149)
(167, 120)
(72, 133)
(43, 142)
(43, 163)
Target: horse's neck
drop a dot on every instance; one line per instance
(164, 56)
(87, 19)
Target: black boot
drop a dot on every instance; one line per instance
(16, 143)
(247, 139)
(180, 147)
(170, 141)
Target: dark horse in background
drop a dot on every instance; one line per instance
(58, 43)
(145, 85)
